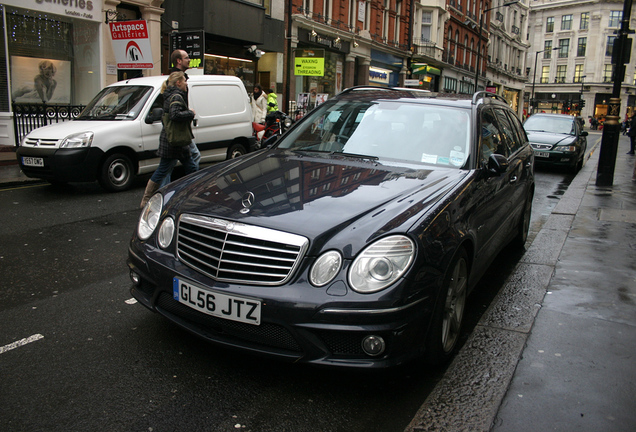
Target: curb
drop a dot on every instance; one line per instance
(469, 395)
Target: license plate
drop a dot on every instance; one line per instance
(542, 154)
(216, 304)
(32, 161)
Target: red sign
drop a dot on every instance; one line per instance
(131, 44)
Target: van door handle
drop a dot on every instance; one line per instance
(194, 122)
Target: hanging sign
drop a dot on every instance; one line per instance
(309, 62)
(131, 44)
(191, 42)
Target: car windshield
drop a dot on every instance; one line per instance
(549, 124)
(388, 129)
(116, 103)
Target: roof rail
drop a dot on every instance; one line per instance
(484, 93)
(368, 87)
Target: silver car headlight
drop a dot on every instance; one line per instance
(381, 263)
(325, 268)
(78, 140)
(150, 217)
(166, 231)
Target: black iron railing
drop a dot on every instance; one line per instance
(29, 116)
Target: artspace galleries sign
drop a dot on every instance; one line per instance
(131, 44)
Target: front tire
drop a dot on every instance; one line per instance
(446, 326)
(117, 173)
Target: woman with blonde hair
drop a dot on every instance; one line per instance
(175, 104)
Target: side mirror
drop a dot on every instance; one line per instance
(584, 133)
(497, 164)
(154, 115)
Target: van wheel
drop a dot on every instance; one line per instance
(235, 151)
(116, 173)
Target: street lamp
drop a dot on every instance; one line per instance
(534, 73)
(481, 25)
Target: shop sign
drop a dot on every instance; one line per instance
(192, 43)
(379, 75)
(82, 9)
(491, 89)
(309, 62)
(131, 44)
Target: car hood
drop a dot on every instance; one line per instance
(549, 138)
(59, 131)
(319, 196)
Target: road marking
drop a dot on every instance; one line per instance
(20, 343)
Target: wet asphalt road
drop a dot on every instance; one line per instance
(98, 363)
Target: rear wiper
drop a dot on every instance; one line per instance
(355, 155)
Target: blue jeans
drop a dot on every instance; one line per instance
(165, 168)
(196, 157)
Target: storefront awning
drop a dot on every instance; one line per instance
(421, 69)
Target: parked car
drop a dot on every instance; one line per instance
(353, 241)
(557, 139)
(116, 136)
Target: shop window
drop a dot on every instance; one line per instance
(62, 68)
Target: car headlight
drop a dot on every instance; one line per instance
(381, 263)
(150, 216)
(566, 148)
(78, 140)
(166, 231)
(325, 268)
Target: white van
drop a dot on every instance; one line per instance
(116, 136)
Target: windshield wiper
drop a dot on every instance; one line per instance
(355, 155)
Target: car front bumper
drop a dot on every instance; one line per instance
(299, 322)
(63, 165)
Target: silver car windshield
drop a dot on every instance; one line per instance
(412, 132)
(116, 103)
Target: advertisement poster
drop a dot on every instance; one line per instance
(131, 44)
(35, 80)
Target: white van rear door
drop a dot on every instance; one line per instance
(222, 115)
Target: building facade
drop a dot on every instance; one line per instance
(507, 47)
(356, 42)
(571, 45)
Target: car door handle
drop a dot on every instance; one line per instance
(513, 179)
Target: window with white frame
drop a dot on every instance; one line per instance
(615, 18)
(609, 48)
(545, 74)
(564, 48)
(427, 22)
(578, 73)
(566, 22)
(549, 25)
(607, 73)
(561, 73)
(580, 51)
(585, 21)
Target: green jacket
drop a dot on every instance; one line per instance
(272, 102)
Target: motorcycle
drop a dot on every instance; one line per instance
(276, 123)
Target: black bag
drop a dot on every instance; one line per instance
(179, 134)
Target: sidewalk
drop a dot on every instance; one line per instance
(556, 349)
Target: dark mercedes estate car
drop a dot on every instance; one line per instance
(557, 139)
(352, 241)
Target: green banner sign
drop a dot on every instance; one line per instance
(309, 62)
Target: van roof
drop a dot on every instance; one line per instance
(192, 79)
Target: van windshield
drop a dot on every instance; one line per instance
(116, 103)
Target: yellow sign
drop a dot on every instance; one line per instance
(309, 62)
